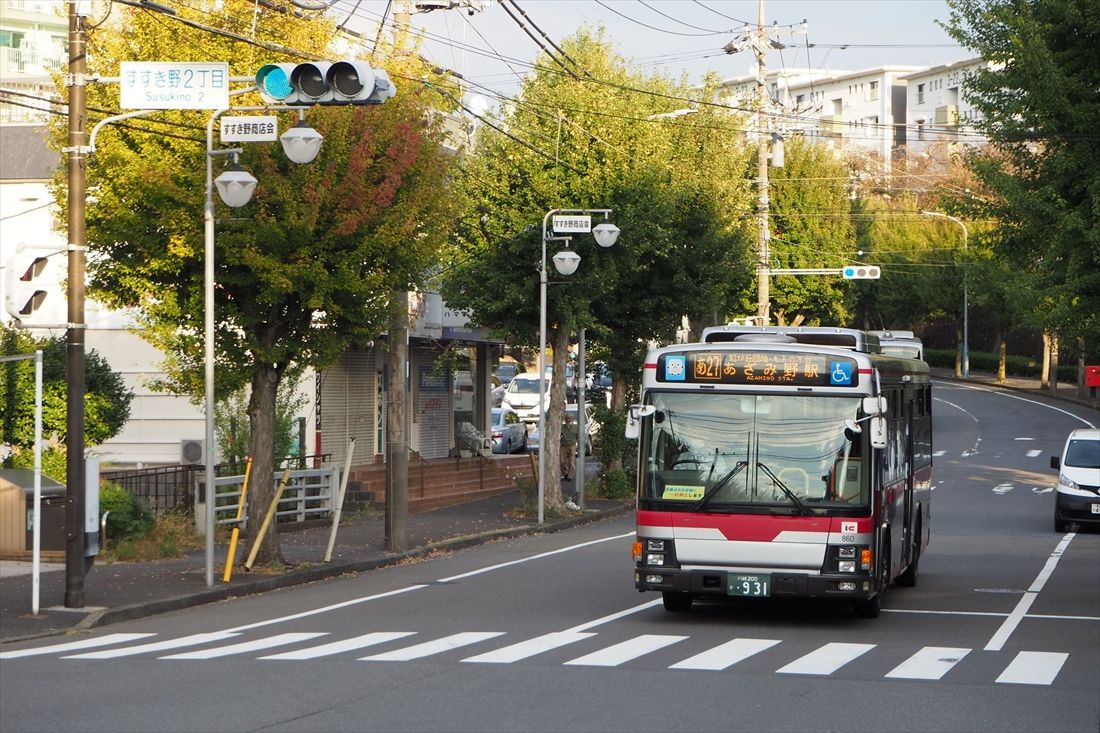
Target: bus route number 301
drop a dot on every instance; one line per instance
(751, 586)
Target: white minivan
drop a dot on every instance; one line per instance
(522, 396)
(1077, 493)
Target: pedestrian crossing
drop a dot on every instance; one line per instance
(929, 663)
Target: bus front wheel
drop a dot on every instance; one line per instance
(676, 602)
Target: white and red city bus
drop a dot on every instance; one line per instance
(781, 462)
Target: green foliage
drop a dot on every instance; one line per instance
(1038, 105)
(106, 401)
(54, 460)
(129, 516)
(616, 484)
(231, 426)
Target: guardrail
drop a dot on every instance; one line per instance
(309, 494)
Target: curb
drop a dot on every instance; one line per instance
(313, 574)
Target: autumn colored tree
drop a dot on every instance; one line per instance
(306, 269)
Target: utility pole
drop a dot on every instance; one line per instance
(397, 442)
(763, 274)
(74, 462)
(760, 44)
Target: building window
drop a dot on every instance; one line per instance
(920, 94)
(873, 94)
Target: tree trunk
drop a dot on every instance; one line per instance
(261, 489)
(1044, 377)
(618, 404)
(1053, 384)
(1081, 392)
(1002, 361)
(397, 444)
(551, 442)
(958, 353)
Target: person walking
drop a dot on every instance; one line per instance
(568, 448)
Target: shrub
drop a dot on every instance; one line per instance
(984, 361)
(615, 484)
(129, 516)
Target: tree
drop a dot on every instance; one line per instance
(587, 138)
(1038, 105)
(303, 272)
(106, 402)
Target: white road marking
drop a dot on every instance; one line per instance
(347, 645)
(930, 663)
(529, 648)
(156, 646)
(1033, 453)
(326, 609)
(826, 660)
(726, 655)
(72, 646)
(1042, 490)
(1005, 393)
(625, 651)
(1023, 438)
(1033, 668)
(539, 556)
(428, 648)
(997, 642)
(1002, 489)
(939, 453)
(247, 646)
(616, 616)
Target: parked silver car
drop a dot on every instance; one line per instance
(507, 431)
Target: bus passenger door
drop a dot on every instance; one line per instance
(908, 544)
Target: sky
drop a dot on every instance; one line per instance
(678, 36)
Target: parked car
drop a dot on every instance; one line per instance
(570, 380)
(1077, 493)
(522, 396)
(507, 431)
(507, 370)
(591, 427)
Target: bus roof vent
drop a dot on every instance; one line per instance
(765, 338)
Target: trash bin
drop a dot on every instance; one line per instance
(1092, 376)
(52, 527)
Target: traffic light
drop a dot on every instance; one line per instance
(324, 82)
(31, 287)
(860, 272)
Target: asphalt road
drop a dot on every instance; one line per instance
(545, 633)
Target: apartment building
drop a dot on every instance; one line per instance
(937, 108)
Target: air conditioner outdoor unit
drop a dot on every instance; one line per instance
(192, 451)
(947, 115)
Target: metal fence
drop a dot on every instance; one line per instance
(308, 494)
(162, 488)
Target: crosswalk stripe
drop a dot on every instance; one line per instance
(428, 648)
(246, 646)
(617, 654)
(1033, 668)
(73, 646)
(347, 645)
(826, 659)
(930, 663)
(157, 646)
(529, 648)
(726, 655)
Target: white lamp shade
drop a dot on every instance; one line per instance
(567, 261)
(235, 186)
(301, 143)
(606, 234)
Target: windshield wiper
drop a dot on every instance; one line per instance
(790, 494)
(726, 478)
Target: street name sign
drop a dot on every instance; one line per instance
(174, 85)
(249, 129)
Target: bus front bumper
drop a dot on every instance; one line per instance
(720, 583)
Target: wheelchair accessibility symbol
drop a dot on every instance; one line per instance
(840, 373)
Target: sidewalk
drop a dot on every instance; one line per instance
(1066, 391)
(128, 590)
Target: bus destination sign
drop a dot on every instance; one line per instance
(764, 368)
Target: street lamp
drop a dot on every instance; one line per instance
(566, 263)
(235, 188)
(966, 303)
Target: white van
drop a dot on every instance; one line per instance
(522, 396)
(1077, 493)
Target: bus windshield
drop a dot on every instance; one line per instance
(759, 453)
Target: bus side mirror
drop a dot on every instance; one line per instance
(634, 415)
(878, 432)
(874, 405)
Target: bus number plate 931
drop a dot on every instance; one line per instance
(751, 586)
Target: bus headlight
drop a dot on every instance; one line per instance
(655, 545)
(846, 566)
(654, 558)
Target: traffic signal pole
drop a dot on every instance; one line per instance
(74, 441)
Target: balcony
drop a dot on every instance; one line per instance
(947, 115)
(832, 125)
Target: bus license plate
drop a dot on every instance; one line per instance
(751, 586)
(1095, 509)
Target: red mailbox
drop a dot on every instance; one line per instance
(1092, 376)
